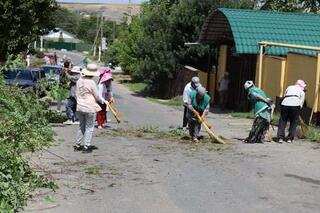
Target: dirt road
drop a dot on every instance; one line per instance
(141, 174)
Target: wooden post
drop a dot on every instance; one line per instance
(209, 69)
(259, 83)
(316, 91)
(282, 76)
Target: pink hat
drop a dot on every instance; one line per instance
(105, 74)
(301, 83)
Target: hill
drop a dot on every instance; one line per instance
(113, 12)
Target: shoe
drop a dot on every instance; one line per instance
(68, 122)
(86, 150)
(195, 140)
(76, 123)
(100, 127)
(200, 137)
(289, 141)
(77, 148)
(280, 141)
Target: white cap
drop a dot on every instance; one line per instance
(201, 90)
(196, 81)
(248, 84)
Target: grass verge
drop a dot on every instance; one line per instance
(136, 87)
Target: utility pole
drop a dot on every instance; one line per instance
(101, 33)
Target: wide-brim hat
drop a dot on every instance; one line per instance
(105, 77)
(91, 70)
(76, 69)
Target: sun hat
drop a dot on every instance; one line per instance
(91, 70)
(105, 74)
(76, 69)
(301, 83)
(248, 84)
(196, 81)
(201, 90)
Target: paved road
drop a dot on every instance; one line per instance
(76, 58)
(157, 175)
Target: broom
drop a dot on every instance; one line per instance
(113, 111)
(206, 127)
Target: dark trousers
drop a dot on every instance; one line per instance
(71, 109)
(258, 130)
(291, 114)
(185, 119)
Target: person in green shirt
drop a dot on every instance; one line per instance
(262, 107)
(198, 104)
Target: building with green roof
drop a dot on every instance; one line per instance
(236, 33)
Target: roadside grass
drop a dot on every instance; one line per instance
(136, 87)
(173, 102)
(140, 88)
(313, 134)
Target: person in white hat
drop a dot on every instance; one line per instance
(262, 107)
(198, 103)
(87, 97)
(71, 106)
(290, 109)
(191, 86)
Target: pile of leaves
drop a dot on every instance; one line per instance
(23, 128)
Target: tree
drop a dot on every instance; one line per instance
(21, 21)
(152, 47)
(291, 5)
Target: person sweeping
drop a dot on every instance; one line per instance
(198, 105)
(105, 92)
(262, 107)
(290, 109)
(87, 97)
(191, 86)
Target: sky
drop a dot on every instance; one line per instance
(101, 1)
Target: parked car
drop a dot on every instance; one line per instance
(52, 72)
(23, 78)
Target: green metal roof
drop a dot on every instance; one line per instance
(252, 26)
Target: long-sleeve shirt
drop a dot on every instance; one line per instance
(294, 96)
(87, 96)
(186, 93)
(105, 90)
(73, 83)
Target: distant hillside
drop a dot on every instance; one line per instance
(113, 12)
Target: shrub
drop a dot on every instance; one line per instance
(23, 128)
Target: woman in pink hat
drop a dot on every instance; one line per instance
(105, 92)
(290, 108)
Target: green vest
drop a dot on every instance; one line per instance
(257, 105)
(200, 107)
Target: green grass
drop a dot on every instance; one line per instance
(136, 87)
(93, 170)
(313, 134)
(174, 102)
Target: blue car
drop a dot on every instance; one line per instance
(23, 78)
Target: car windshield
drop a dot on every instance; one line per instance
(18, 74)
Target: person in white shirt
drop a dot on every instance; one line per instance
(223, 90)
(291, 106)
(191, 86)
(104, 92)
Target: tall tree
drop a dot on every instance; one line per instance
(21, 21)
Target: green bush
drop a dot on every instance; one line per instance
(23, 128)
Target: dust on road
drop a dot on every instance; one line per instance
(138, 174)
